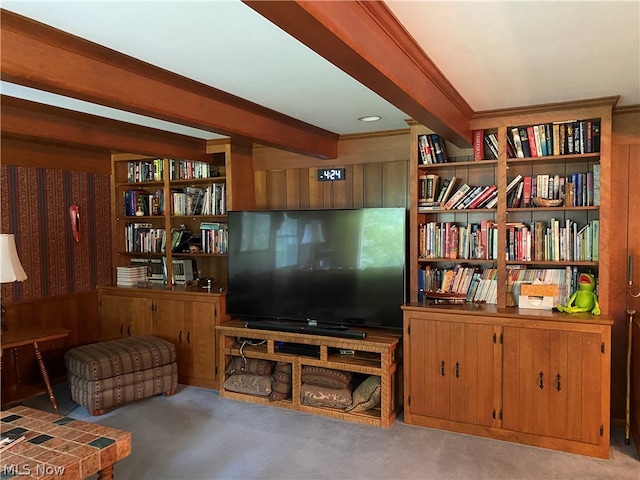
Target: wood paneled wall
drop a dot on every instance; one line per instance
(77, 312)
(38, 184)
(376, 175)
(625, 156)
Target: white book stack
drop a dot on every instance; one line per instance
(131, 275)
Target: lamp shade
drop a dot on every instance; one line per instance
(10, 268)
(312, 233)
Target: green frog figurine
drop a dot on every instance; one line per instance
(583, 300)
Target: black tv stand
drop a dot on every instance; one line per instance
(340, 331)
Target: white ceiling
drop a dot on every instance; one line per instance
(496, 54)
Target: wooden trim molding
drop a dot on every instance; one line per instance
(364, 39)
(74, 67)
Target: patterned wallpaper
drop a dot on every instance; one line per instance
(35, 207)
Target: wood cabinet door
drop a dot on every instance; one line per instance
(202, 339)
(471, 369)
(124, 316)
(452, 371)
(551, 383)
(171, 323)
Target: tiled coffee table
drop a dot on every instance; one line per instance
(60, 447)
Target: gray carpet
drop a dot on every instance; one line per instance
(195, 434)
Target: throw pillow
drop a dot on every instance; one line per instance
(366, 395)
(325, 377)
(325, 397)
(250, 384)
(281, 385)
(253, 366)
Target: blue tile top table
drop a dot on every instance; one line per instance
(58, 447)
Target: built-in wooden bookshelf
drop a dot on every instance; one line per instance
(499, 357)
(588, 163)
(169, 307)
(171, 212)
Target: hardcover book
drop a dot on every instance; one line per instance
(524, 139)
(515, 134)
(478, 145)
(531, 136)
(432, 184)
(453, 185)
(460, 193)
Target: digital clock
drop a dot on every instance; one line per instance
(330, 174)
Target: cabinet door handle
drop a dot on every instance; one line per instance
(129, 330)
(121, 330)
(457, 369)
(180, 336)
(188, 337)
(558, 387)
(442, 368)
(541, 383)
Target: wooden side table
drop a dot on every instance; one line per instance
(23, 336)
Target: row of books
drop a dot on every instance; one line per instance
(145, 170)
(566, 278)
(143, 237)
(215, 237)
(139, 200)
(199, 201)
(188, 201)
(477, 241)
(432, 148)
(557, 241)
(574, 190)
(153, 170)
(557, 138)
(478, 286)
(453, 194)
(548, 139)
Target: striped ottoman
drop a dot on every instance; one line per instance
(109, 374)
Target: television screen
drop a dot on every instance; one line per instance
(329, 266)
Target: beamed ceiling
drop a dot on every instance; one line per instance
(296, 75)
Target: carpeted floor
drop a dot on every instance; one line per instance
(195, 434)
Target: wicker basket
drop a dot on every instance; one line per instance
(545, 202)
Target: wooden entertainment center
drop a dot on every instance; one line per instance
(535, 377)
(379, 353)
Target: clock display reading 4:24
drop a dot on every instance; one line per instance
(330, 174)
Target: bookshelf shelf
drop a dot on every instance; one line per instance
(459, 164)
(548, 209)
(470, 261)
(569, 158)
(549, 263)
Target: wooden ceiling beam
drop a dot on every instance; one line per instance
(365, 40)
(39, 56)
(40, 123)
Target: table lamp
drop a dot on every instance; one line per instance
(10, 268)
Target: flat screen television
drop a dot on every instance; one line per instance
(339, 268)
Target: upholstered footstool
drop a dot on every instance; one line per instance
(109, 374)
